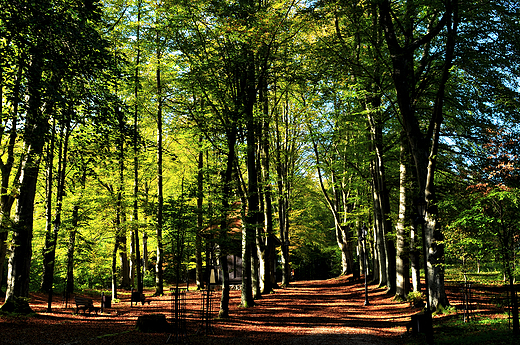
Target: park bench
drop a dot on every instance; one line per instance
(138, 297)
(84, 304)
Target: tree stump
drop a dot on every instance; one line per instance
(152, 323)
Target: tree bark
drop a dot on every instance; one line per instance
(231, 134)
(200, 202)
(46, 282)
(36, 128)
(253, 205)
(160, 199)
(379, 237)
(136, 255)
(6, 197)
(403, 249)
(423, 147)
(49, 256)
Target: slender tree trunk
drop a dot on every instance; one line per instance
(224, 227)
(6, 198)
(69, 289)
(136, 257)
(119, 207)
(266, 238)
(379, 238)
(49, 261)
(46, 283)
(375, 256)
(403, 263)
(200, 203)
(72, 238)
(123, 258)
(252, 198)
(283, 160)
(160, 199)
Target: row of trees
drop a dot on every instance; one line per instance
(213, 109)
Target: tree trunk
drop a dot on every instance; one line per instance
(375, 257)
(379, 238)
(7, 198)
(46, 283)
(49, 258)
(36, 128)
(160, 200)
(224, 227)
(123, 259)
(423, 147)
(403, 263)
(200, 199)
(69, 289)
(119, 204)
(283, 147)
(343, 241)
(114, 269)
(136, 255)
(72, 238)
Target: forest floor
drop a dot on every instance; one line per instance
(308, 312)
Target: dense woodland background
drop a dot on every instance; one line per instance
(143, 140)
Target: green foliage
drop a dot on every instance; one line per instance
(416, 299)
(483, 330)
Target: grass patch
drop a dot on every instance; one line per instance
(481, 330)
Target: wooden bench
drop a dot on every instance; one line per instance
(138, 297)
(84, 304)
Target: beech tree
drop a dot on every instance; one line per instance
(43, 70)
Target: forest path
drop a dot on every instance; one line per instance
(321, 312)
(308, 312)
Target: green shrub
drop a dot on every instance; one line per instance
(416, 299)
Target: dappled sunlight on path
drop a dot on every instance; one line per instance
(307, 312)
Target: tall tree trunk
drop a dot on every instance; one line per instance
(252, 221)
(136, 258)
(200, 202)
(381, 194)
(69, 288)
(72, 237)
(123, 258)
(403, 249)
(423, 146)
(119, 204)
(160, 199)
(265, 238)
(231, 134)
(7, 198)
(379, 236)
(46, 283)
(342, 233)
(49, 258)
(284, 150)
(36, 128)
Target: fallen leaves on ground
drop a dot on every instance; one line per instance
(307, 312)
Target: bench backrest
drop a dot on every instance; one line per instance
(82, 301)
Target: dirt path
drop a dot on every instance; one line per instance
(308, 312)
(321, 312)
